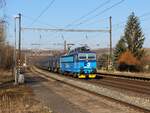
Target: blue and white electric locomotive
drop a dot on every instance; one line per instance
(80, 62)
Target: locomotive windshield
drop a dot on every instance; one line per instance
(82, 56)
(91, 56)
(87, 56)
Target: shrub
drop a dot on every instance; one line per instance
(127, 62)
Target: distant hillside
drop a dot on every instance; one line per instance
(101, 51)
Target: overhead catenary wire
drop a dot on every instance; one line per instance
(103, 11)
(90, 12)
(98, 21)
(43, 11)
(40, 22)
(120, 24)
(145, 14)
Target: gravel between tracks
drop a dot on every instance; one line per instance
(136, 101)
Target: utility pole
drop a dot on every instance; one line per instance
(110, 32)
(19, 36)
(19, 46)
(16, 80)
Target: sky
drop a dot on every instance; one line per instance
(62, 13)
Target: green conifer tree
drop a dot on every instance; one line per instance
(119, 49)
(132, 40)
(134, 37)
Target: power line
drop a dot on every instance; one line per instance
(141, 16)
(145, 14)
(90, 12)
(98, 21)
(40, 22)
(46, 8)
(105, 10)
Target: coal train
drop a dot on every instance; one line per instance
(79, 62)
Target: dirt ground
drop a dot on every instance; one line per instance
(18, 99)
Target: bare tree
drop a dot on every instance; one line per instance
(2, 31)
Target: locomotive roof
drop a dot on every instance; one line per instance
(82, 48)
(77, 52)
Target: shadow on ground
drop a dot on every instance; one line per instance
(29, 79)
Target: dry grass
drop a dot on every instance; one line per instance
(20, 100)
(17, 99)
(5, 76)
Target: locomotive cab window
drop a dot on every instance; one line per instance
(91, 56)
(82, 56)
(87, 56)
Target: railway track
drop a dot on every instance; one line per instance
(125, 76)
(133, 85)
(110, 75)
(124, 84)
(129, 85)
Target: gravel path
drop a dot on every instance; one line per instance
(82, 100)
(49, 97)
